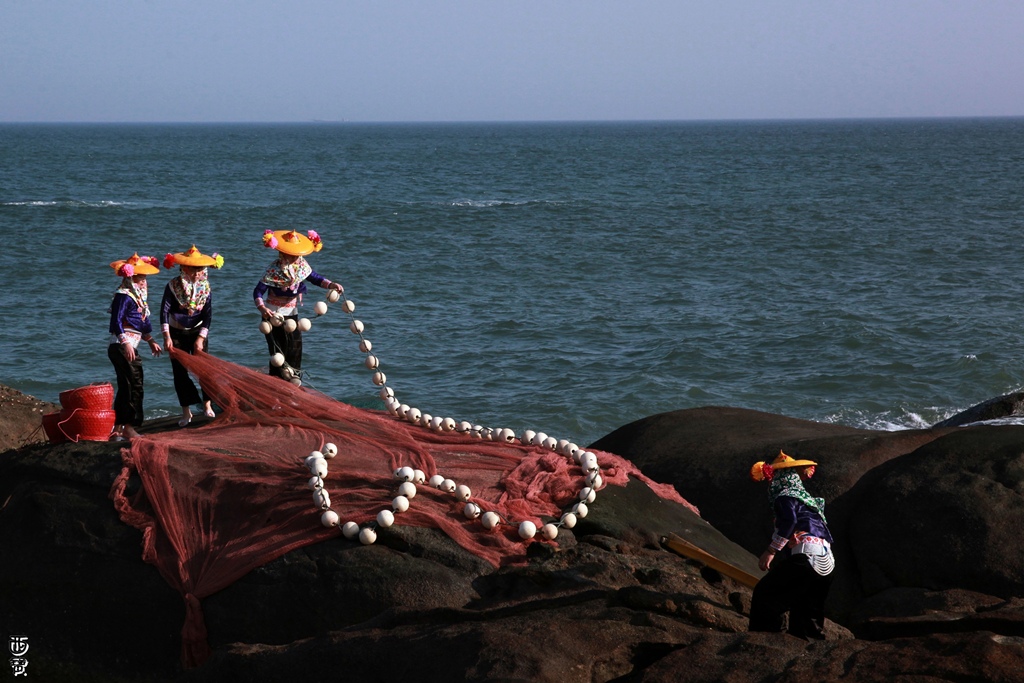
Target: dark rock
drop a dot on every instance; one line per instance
(1010, 405)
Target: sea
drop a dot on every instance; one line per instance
(562, 277)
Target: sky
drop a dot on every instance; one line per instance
(511, 60)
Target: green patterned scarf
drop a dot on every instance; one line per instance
(787, 482)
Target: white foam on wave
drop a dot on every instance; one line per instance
(66, 202)
(490, 203)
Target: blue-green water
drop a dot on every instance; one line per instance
(568, 278)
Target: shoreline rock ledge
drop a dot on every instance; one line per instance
(931, 587)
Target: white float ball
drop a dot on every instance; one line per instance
(348, 306)
(379, 378)
(315, 483)
(318, 467)
(407, 489)
(403, 410)
(550, 443)
(448, 486)
(527, 530)
(305, 324)
(463, 427)
(313, 455)
(419, 477)
(276, 320)
(436, 481)
(387, 392)
(371, 362)
(277, 360)
(595, 480)
(365, 346)
(571, 450)
(538, 439)
(321, 499)
(581, 509)
(588, 461)
(356, 326)
(527, 437)
(587, 495)
(471, 511)
(350, 530)
(549, 531)
(330, 450)
(425, 419)
(405, 473)
(462, 492)
(477, 431)
(413, 415)
(392, 405)
(289, 325)
(568, 520)
(320, 308)
(287, 372)
(265, 327)
(490, 519)
(367, 536)
(562, 443)
(296, 381)
(400, 504)
(385, 518)
(333, 295)
(329, 518)
(506, 435)
(436, 422)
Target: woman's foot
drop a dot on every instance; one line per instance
(186, 417)
(129, 433)
(208, 410)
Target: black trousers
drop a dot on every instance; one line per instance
(287, 343)
(791, 585)
(184, 387)
(128, 400)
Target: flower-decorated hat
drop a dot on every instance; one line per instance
(292, 243)
(193, 257)
(136, 265)
(762, 470)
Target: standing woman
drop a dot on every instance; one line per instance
(279, 294)
(130, 324)
(185, 315)
(799, 558)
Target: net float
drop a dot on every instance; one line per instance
(365, 345)
(407, 489)
(405, 473)
(348, 305)
(463, 492)
(490, 519)
(448, 424)
(463, 427)
(594, 480)
(330, 450)
(436, 423)
(403, 410)
(538, 439)
(587, 495)
(296, 381)
(330, 518)
(318, 468)
(580, 509)
(419, 477)
(527, 438)
(367, 536)
(549, 531)
(333, 295)
(320, 308)
(386, 393)
(527, 530)
(276, 320)
(371, 362)
(265, 327)
(568, 520)
(413, 415)
(277, 360)
(289, 325)
(315, 483)
(356, 326)
(436, 481)
(448, 486)
(305, 324)
(379, 378)
(385, 518)
(321, 499)
(550, 443)
(287, 372)
(350, 530)
(588, 461)
(400, 504)
(471, 511)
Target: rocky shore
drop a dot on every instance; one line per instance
(929, 585)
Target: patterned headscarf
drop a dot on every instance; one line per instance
(787, 482)
(191, 295)
(287, 277)
(137, 292)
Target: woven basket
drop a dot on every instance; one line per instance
(52, 427)
(87, 425)
(98, 396)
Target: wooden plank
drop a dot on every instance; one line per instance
(685, 548)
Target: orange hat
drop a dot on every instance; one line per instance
(193, 257)
(762, 470)
(292, 243)
(136, 265)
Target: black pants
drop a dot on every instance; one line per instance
(184, 387)
(287, 343)
(128, 400)
(791, 585)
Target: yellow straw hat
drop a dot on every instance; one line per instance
(193, 257)
(136, 265)
(762, 470)
(292, 243)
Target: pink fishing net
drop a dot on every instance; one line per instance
(219, 500)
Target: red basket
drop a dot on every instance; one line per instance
(87, 425)
(52, 427)
(98, 396)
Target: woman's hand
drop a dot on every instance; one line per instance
(128, 351)
(154, 348)
(200, 344)
(765, 561)
(168, 342)
(336, 286)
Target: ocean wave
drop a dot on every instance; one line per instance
(491, 203)
(66, 203)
